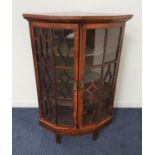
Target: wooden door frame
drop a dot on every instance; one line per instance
(82, 48)
(75, 28)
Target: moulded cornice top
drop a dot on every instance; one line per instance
(77, 17)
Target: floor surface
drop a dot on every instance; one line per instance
(122, 137)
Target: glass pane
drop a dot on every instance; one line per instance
(108, 74)
(97, 92)
(65, 115)
(93, 90)
(64, 83)
(92, 74)
(112, 44)
(45, 73)
(98, 77)
(64, 58)
(48, 108)
(63, 47)
(94, 46)
(54, 50)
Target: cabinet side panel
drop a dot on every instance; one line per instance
(35, 66)
(119, 50)
(80, 75)
(42, 40)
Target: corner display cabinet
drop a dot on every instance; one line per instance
(76, 61)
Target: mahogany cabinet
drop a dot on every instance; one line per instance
(76, 61)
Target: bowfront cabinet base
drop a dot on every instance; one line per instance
(60, 130)
(76, 62)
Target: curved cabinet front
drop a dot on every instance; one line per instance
(76, 65)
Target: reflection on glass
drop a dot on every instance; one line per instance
(94, 46)
(92, 82)
(92, 74)
(112, 44)
(63, 47)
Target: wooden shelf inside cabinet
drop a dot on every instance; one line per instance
(76, 58)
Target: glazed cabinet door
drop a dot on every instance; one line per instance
(99, 60)
(55, 53)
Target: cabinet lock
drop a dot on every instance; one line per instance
(75, 86)
(81, 84)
